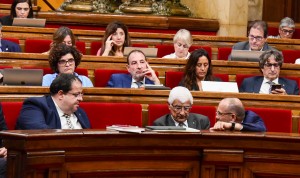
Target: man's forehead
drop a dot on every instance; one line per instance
(256, 31)
(136, 56)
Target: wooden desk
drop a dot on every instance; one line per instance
(146, 97)
(95, 153)
(151, 39)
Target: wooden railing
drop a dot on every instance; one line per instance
(145, 97)
(96, 153)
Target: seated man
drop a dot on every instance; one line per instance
(270, 63)
(231, 115)
(3, 150)
(286, 29)
(257, 38)
(140, 73)
(8, 46)
(180, 102)
(60, 110)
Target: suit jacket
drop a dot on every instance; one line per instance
(8, 46)
(6, 20)
(196, 121)
(253, 84)
(123, 81)
(41, 113)
(246, 46)
(252, 122)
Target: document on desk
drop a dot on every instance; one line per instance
(171, 129)
(126, 128)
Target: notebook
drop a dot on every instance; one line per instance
(25, 77)
(29, 22)
(219, 86)
(149, 52)
(245, 55)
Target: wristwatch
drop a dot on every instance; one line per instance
(232, 126)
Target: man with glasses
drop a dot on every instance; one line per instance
(59, 110)
(270, 63)
(180, 102)
(286, 29)
(8, 46)
(257, 38)
(231, 115)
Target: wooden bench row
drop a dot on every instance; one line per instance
(151, 39)
(146, 97)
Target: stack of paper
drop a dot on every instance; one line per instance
(126, 128)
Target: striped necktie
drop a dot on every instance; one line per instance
(69, 123)
(139, 84)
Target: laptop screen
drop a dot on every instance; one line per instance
(149, 52)
(29, 22)
(219, 86)
(245, 55)
(23, 77)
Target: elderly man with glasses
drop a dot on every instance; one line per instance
(231, 115)
(286, 29)
(257, 38)
(270, 63)
(180, 103)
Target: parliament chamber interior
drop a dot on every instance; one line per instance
(97, 152)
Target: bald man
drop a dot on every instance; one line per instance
(231, 115)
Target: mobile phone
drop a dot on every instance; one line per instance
(276, 86)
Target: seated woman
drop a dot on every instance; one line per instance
(115, 39)
(182, 40)
(198, 68)
(64, 59)
(62, 35)
(19, 9)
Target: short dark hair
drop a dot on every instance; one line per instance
(259, 24)
(63, 82)
(13, 8)
(134, 51)
(264, 57)
(60, 50)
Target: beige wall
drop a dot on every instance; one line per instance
(232, 14)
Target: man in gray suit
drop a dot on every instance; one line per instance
(257, 38)
(180, 103)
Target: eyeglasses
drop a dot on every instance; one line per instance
(184, 46)
(76, 95)
(64, 62)
(287, 31)
(269, 65)
(257, 38)
(179, 108)
(223, 114)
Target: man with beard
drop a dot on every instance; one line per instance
(140, 73)
(59, 110)
(180, 103)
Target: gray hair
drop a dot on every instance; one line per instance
(234, 105)
(184, 35)
(180, 93)
(287, 22)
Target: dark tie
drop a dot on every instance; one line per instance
(69, 123)
(270, 83)
(181, 124)
(139, 84)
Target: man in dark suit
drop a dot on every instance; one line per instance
(60, 110)
(140, 73)
(231, 115)
(8, 46)
(257, 38)
(3, 150)
(270, 63)
(180, 102)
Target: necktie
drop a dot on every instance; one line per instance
(139, 84)
(69, 123)
(181, 124)
(270, 83)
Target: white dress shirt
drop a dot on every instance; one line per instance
(265, 86)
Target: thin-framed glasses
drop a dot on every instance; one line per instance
(76, 95)
(285, 31)
(269, 65)
(257, 38)
(179, 108)
(64, 62)
(223, 113)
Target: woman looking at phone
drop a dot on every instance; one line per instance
(115, 39)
